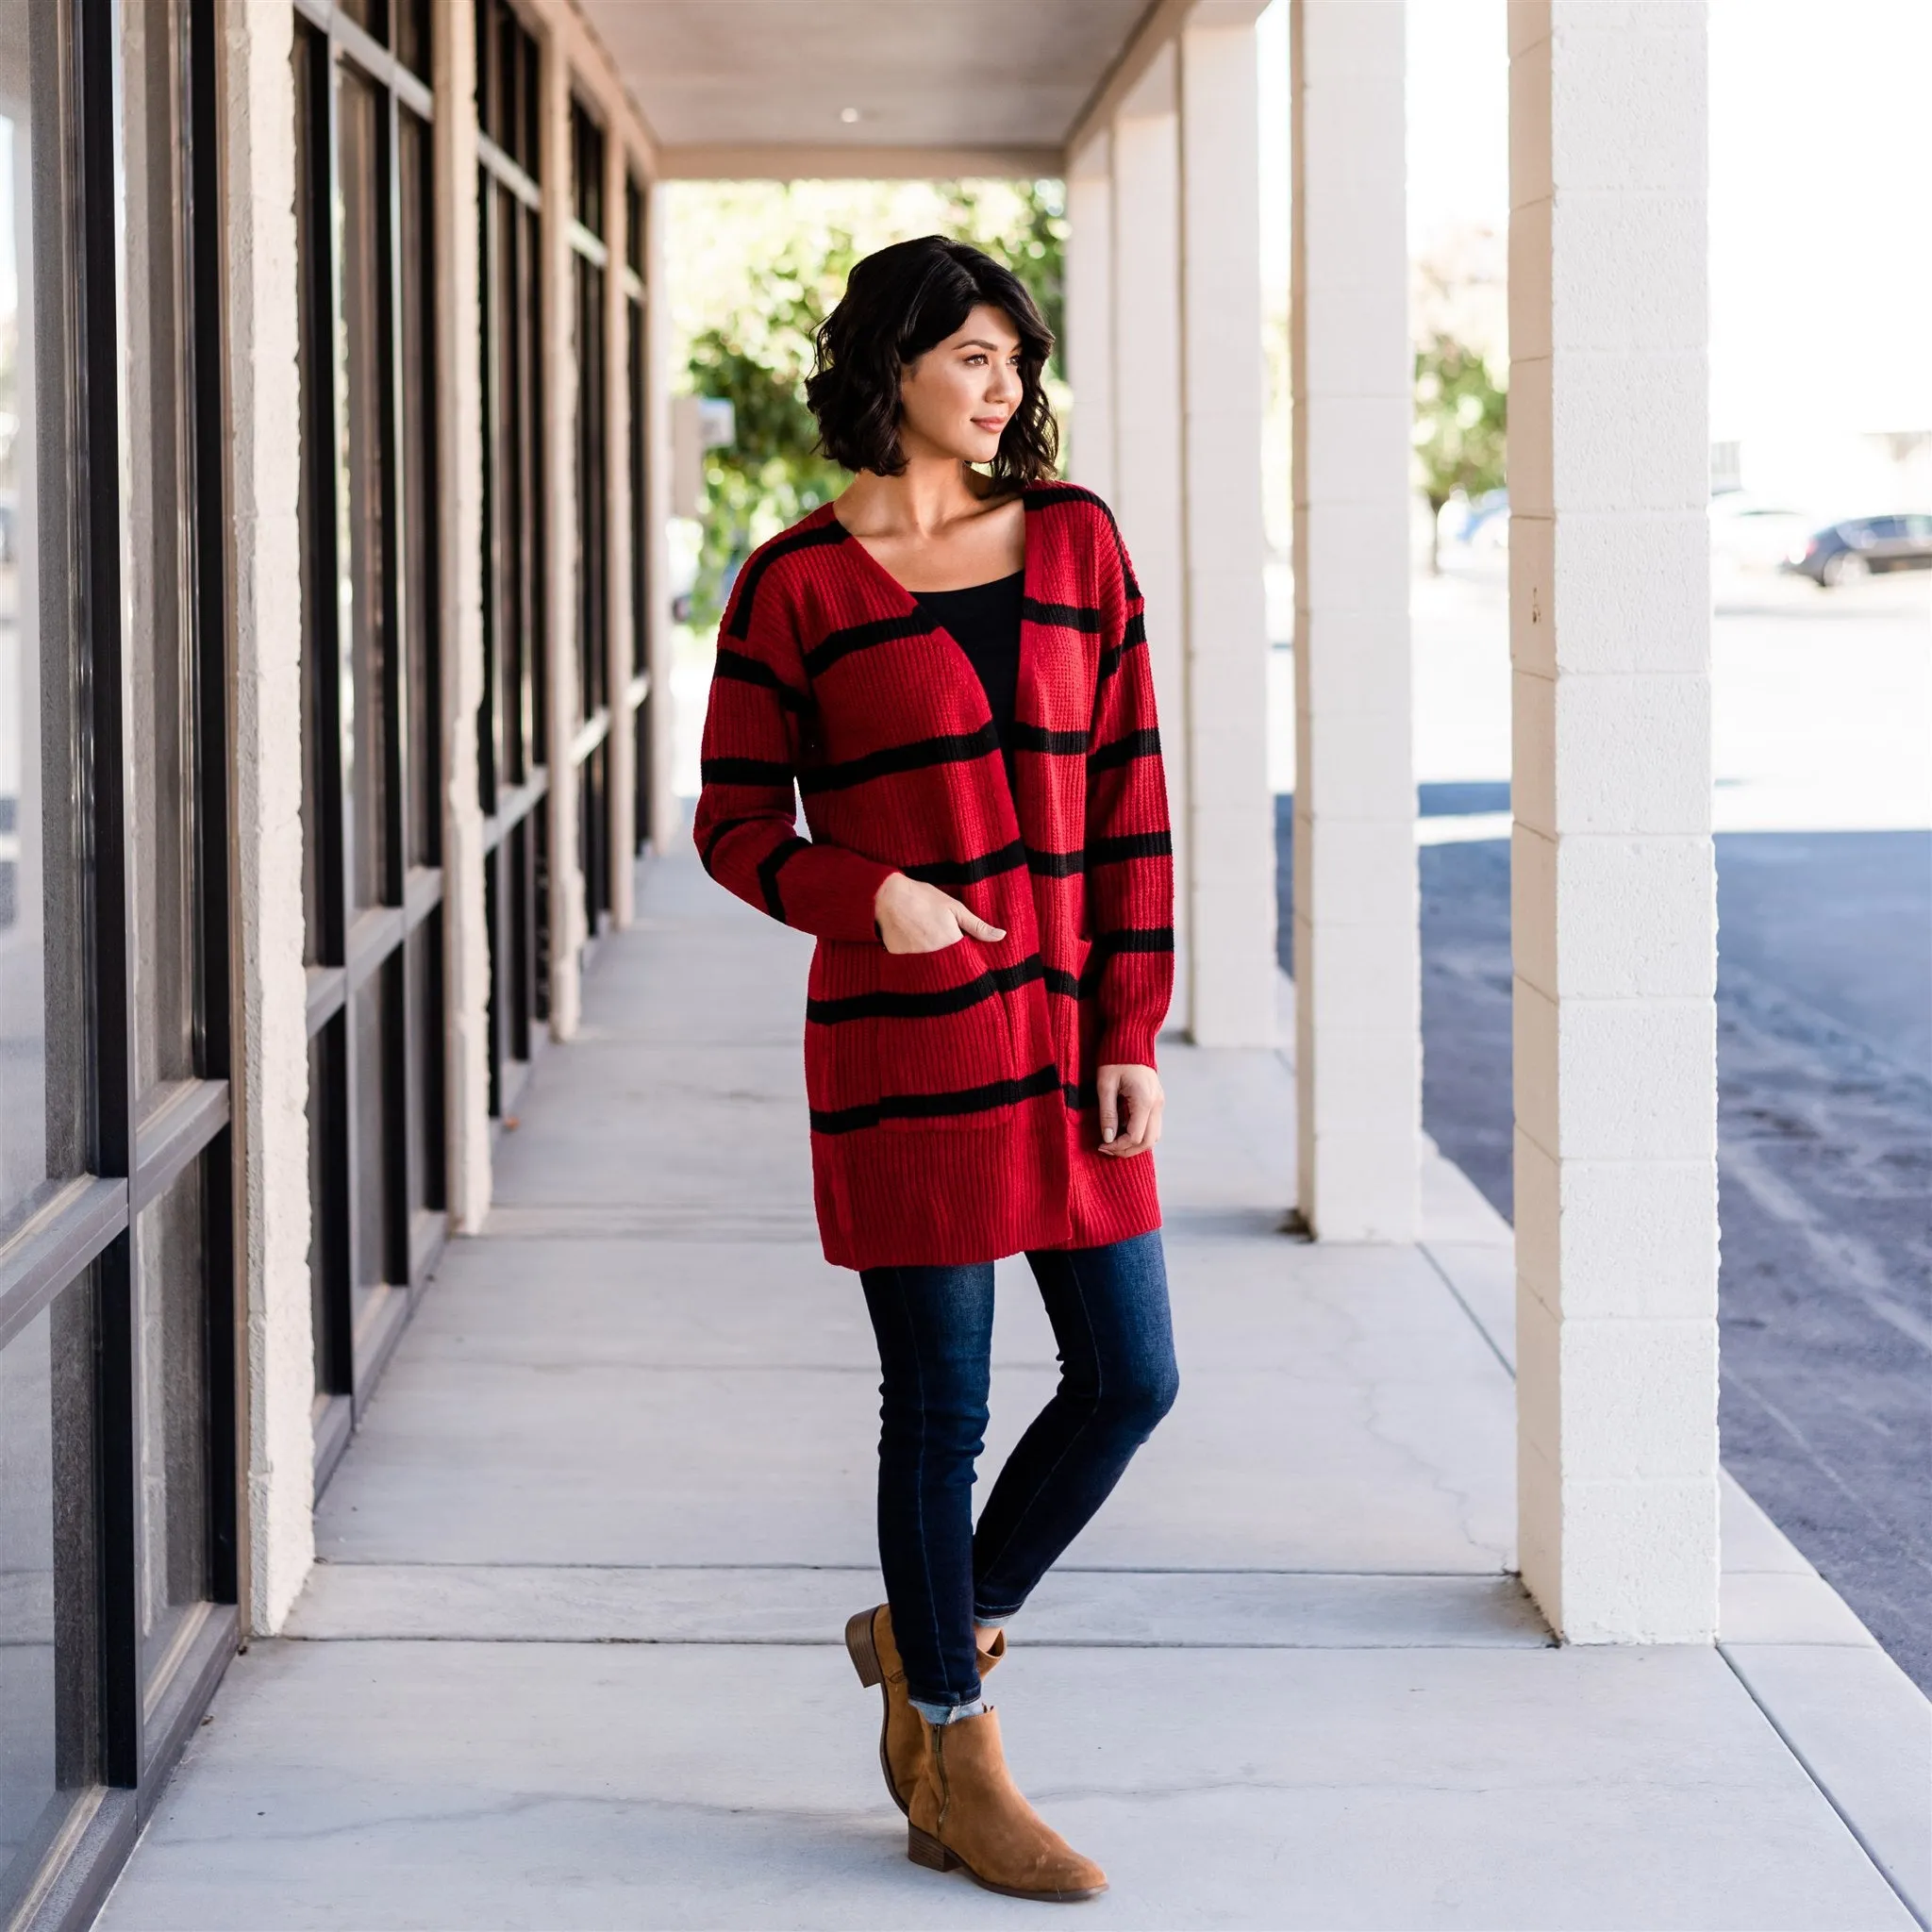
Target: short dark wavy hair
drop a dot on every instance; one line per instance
(898, 304)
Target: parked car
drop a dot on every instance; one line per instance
(1848, 552)
(1748, 533)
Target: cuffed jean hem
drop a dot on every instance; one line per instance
(948, 1713)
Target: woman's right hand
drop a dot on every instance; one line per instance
(914, 917)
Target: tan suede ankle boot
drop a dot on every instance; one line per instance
(967, 1811)
(902, 1736)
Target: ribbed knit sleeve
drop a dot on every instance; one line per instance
(1129, 843)
(746, 829)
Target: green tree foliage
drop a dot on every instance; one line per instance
(758, 355)
(1461, 415)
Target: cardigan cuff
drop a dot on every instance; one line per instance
(1127, 1044)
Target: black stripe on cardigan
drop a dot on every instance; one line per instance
(1135, 634)
(1144, 938)
(1133, 845)
(1058, 744)
(737, 623)
(718, 831)
(1123, 751)
(770, 866)
(1054, 865)
(1081, 617)
(959, 747)
(862, 637)
(743, 670)
(926, 1005)
(745, 772)
(966, 872)
(928, 1107)
(1055, 493)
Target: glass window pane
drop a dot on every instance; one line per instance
(534, 656)
(329, 1206)
(417, 454)
(426, 1192)
(362, 262)
(43, 1125)
(593, 843)
(592, 535)
(412, 35)
(321, 855)
(642, 768)
(640, 545)
(375, 1047)
(171, 1283)
(319, 1211)
(48, 1642)
(157, 565)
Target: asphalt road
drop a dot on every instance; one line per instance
(1825, 1136)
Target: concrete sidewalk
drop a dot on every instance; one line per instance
(571, 1657)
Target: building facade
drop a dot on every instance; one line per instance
(334, 472)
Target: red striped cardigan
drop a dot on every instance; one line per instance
(953, 1113)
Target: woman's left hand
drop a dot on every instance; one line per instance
(1132, 1100)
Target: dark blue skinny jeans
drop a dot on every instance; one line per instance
(1109, 1313)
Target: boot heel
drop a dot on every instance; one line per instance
(924, 1849)
(859, 1643)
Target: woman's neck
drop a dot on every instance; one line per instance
(930, 495)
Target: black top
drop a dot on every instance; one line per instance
(984, 621)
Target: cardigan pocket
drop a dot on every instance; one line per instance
(943, 1040)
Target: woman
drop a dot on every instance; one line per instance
(949, 663)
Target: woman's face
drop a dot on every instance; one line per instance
(957, 398)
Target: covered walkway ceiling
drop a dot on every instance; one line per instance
(752, 88)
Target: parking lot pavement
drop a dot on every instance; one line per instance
(1823, 727)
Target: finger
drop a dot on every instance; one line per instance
(974, 926)
(1133, 1137)
(1110, 1089)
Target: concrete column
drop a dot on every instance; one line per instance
(624, 757)
(1087, 354)
(459, 561)
(1612, 914)
(667, 813)
(1230, 911)
(1358, 1031)
(568, 925)
(270, 1087)
(1147, 459)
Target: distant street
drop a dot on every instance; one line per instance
(1825, 1040)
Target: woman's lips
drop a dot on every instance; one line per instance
(988, 423)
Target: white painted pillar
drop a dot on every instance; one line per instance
(270, 1088)
(1087, 354)
(623, 758)
(667, 809)
(1613, 895)
(1145, 307)
(1230, 910)
(460, 561)
(568, 925)
(1357, 1005)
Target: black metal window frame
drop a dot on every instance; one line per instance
(638, 696)
(132, 1708)
(377, 953)
(590, 751)
(512, 766)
